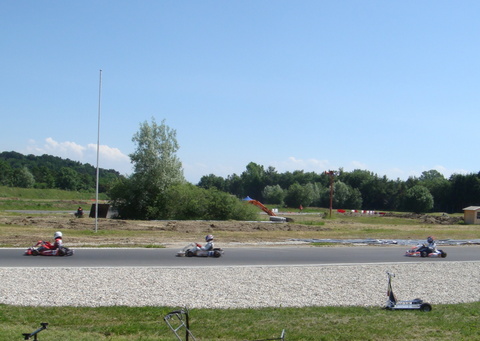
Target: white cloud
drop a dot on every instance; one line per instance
(109, 157)
(308, 165)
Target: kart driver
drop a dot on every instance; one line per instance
(207, 248)
(431, 245)
(48, 249)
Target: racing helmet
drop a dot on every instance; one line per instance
(58, 234)
(208, 237)
(430, 239)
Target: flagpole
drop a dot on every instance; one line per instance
(98, 148)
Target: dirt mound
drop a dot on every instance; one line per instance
(443, 219)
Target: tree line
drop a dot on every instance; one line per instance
(157, 188)
(359, 189)
(47, 171)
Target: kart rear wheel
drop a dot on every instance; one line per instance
(425, 307)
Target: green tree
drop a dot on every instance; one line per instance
(155, 160)
(418, 199)
(273, 195)
(465, 191)
(186, 201)
(67, 179)
(5, 174)
(439, 187)
(156, 168)
(23, 178)
(346, 196)
(299, 195)
(212, 181)
(253, 181)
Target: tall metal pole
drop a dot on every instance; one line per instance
(331, 174)
(98, 148)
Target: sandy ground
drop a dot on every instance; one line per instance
(29, 227)
(139, 232)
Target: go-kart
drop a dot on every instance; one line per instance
(42, 246)
(393, 304)
(422, 250)
(192, 250)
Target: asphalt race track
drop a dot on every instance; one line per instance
(241, 256)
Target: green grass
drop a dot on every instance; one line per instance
(444, 322)
(45, 194)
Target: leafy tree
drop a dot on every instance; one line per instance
(439, 187)
(212, 181)
(299, 195)
(155, 159)
(47, 171)
(234, 185)
(321, 195)
(156, 168)
(273, 195)
(68, 179)
(224, 206)
(418, 199)
(346, 196)
(185, 201)
(5, 174)
(22, 177)
(465, 191)
(253, 181)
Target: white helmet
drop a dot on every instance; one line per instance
(208, 237)
(57, 234)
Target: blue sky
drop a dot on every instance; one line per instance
(392, 87)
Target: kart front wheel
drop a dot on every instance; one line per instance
(217, 254)
(443, 255)
(425, 307)
(189, 253)
(423, 254)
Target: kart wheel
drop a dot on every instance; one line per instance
(443, 255)
(423, 254)
(35, 253)
(217, 254)
(425, 307)
(189, 253)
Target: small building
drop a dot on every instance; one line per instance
(471, 215)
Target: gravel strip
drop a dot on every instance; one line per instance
(240, 287)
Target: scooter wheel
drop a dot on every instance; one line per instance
(425, 307)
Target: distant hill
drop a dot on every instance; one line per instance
(47, 171)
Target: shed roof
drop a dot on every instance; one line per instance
(472, 208)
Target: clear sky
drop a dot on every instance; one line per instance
(391, 87)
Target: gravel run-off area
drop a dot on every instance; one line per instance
(241, 287)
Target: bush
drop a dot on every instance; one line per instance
(186, 201)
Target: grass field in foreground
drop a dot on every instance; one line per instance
(444, 322)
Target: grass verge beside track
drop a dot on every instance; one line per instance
(444, 322)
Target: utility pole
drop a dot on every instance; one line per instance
(98, 148)
(331, 174)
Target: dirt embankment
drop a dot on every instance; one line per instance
(149, 232)
(443, 219)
